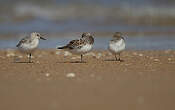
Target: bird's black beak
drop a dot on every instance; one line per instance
(42, 38)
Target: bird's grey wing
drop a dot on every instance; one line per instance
(24, 40)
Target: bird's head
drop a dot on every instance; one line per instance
(37, 35)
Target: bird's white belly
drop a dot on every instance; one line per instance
(85, 49)
(117, 47)
(29, 47)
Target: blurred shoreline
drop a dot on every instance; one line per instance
(23, 17)
(152, 21)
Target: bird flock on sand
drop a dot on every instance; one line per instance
(79, 46)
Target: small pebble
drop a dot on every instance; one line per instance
(169, 59)
(58, 52)
(156, 60)
(90, 54)
(66, 53)
(10, 54)
(140, 55)
(20, 56)
(37, 62)
(47, 74)
(70, 75)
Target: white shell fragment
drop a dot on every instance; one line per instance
(47, 74)
(66, 53)
(70, 75)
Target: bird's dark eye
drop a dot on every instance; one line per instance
(37, 34)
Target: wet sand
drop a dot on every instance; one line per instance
(54, 81)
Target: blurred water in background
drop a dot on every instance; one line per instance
(66, 17)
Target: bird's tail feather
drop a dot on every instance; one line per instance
(17, 45)
(64, 47)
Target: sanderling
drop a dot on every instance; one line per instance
(80, 46)
(117, 45)
(29, 43)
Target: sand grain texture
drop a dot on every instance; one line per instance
(144, 81)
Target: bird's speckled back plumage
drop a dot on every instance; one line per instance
(78, 43)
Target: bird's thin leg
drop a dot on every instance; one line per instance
(81, 58)
(30, 55)
(119, 57)
(116, 57)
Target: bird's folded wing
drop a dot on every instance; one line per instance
(75, 44)
(24, 40)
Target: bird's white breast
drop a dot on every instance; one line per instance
(28, 47)
(116, 47)
(84, 49)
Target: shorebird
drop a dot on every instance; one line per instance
(80, 46)
(29, 43)
(117, 45)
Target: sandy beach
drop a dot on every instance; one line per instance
(54, 81)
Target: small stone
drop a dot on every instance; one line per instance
(66, 53)
(141, 55)
(156, 60)
(37, 62)
(169, 59)
(20, 56)
(70, 75)
(58, 52)
(47, 74)
(10, 53)
(90, 54)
